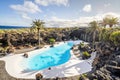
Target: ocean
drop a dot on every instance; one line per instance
(12, 27)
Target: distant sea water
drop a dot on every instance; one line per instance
(12, 27)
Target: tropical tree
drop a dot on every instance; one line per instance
(115, 37)
(113, 21)
(38, 24)
(94, 27)
(109, 20)
(105, 21)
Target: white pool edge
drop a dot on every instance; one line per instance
(57, 71)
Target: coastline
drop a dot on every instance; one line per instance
(12, 27)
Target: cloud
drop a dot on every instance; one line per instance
(111, 14)
(25, 16)
(28, 7)
(87, 8)
(58, 22)
(107, 5)
(54, 18)
(98, 17)
(80, 22)
(52, 2)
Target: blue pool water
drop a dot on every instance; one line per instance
(51, 57)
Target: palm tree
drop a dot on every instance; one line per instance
(38, 24)
(108, 20)
(94, 27)
(113, 21)
(105, 21)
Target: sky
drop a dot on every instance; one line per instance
(56, 13)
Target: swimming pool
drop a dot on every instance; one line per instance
(53, 56)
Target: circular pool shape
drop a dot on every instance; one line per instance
(53, 56)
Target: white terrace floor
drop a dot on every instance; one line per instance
(71, 68)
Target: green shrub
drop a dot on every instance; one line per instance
(115, 37)
(0, 43)
(3, 50)
(83, 77)
(52, 40)
(81, 45)
(86, 54)
(2, 31)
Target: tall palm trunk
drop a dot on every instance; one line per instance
(85, 36)
(93, 42)
(39, 37)
(99, 36)
(94, 37)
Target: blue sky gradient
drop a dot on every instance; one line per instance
(22, 12)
